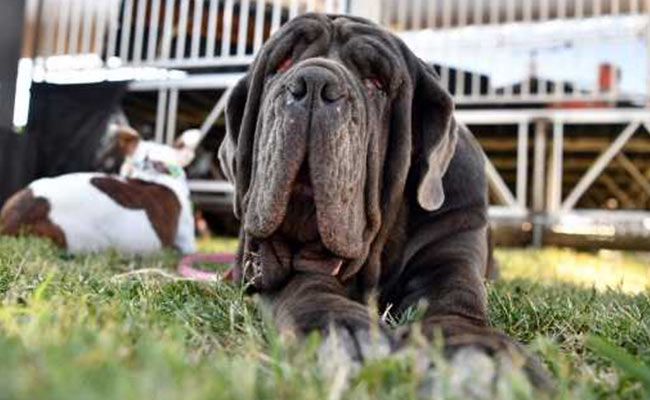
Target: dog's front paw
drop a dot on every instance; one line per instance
(473, 362)
(346, 348)
(470, 373)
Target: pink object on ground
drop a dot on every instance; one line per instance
(186, 269)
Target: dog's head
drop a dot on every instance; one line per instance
(147, 160)
(332, 119)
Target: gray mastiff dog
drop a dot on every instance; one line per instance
(354, 181)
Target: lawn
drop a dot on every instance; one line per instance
(89, 328)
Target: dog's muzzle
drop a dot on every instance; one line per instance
(307, 191)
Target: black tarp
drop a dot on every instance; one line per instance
(17, 162)
(66, 124)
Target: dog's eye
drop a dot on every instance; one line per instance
(284, 65)
(374, 83)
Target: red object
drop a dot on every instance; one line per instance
(607, 77)
(186, 269)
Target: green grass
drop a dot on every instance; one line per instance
(87, 327)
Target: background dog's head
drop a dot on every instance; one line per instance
(332, 120)
(137, 158)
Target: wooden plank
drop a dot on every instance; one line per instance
(571, 145)
(569, 164)
(634, 172)
(616, 190)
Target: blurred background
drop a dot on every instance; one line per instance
(557, 92)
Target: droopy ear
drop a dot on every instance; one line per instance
(435, 134)
(186, 146)
(127, 139)
(228, 148)
(243, 108)
(227, 151)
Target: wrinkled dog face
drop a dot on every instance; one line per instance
(309, 131)
(319, 113)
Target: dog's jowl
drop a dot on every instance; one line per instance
(353, 178)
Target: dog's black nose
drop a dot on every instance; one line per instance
(317, 83)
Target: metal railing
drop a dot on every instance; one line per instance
(157, 33)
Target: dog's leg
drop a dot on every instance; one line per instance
(25, 214)
(447, 276)
(314, 302)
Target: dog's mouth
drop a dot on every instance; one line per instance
(296, 246)
(302, 187)
(307, 192)
(299, 231)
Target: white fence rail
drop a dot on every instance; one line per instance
(157, 33)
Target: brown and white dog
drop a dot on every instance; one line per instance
(145, 208)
